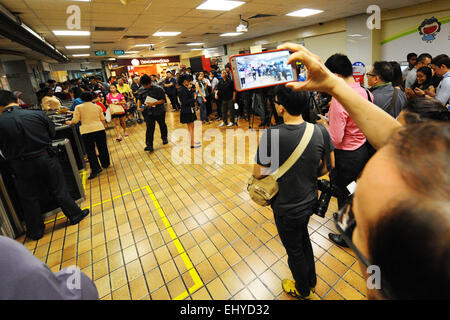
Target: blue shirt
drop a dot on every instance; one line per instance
(443, 90)
(75, 103)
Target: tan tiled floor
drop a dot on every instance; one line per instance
(231, 242)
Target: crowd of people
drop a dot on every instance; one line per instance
(392, 139)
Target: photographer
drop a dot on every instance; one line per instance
(398, 218)
(298, 191)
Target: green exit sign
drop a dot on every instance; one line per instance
(100, 53)
(119, 52)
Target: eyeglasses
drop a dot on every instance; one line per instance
(345, 223)
(371, 75)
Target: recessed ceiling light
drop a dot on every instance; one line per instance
(77, 47)
(304, 13)
(166, 34)
(220, 5)
(231, 34)
(81, 55)
(195, 44)
(71, 33)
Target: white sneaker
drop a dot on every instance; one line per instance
(230, 124)
(222, 124)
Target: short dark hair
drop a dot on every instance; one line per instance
(86, 96)
(384, 70)
(423, 109)
(340, 64)
(411, 55)
(424, 56)
(6, 98)
(145, 80)
(412, 238)
(440, 60)
(295, 102)
(76, 92)
(183, 78)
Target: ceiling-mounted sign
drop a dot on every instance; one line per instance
(100, 53)
(119, 52)
(147, 61)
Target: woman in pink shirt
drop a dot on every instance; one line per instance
(114, 97)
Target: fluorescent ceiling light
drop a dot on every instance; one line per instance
(111, 59)
(195, 44)
(131, 52)
(77, 47)
(196, 49)
(220, 5)
(81, 55)
(166, 34)
(304, 13)
(231, 34)
(144, 45)
(71, 33)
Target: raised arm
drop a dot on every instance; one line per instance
(377, 125)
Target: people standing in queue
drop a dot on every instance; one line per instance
(26, 143)
(151, 100)
(187, 113)
(115, 97)
(92, 129)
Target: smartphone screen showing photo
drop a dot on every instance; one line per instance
(263, 70)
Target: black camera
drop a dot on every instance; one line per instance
(323, 203)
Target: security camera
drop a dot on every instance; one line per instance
(151, 48)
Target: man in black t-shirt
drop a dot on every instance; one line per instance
(226, 93)
(153, 111)
(170, 86)
(298, 189)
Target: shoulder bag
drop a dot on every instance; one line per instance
(262, 191)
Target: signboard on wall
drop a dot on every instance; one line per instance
(430, 35)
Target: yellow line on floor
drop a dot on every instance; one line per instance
(187, 262)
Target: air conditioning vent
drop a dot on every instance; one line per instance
(170, 47)
(110, 29)
(135, 37)
(210, 33)
(262, 15)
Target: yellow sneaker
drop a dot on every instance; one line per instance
(290, 289)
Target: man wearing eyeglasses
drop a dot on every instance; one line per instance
(388, 98)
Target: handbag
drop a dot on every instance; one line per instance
(262, 191)
(116, 109)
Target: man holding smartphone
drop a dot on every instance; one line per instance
(151, 101)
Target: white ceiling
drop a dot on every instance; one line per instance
(145, 17)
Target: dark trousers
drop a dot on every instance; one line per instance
(174, 100)
(203, 110)
(228, 106)
(151, 124)
(293, 231)
(349, 165)
(97, 139)
(219, 108)
(30, 176)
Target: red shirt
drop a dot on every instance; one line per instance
(343, 130)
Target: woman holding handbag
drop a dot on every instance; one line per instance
(116, 101)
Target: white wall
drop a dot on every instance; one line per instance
(327, 45)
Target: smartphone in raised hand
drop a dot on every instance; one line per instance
(261, 70)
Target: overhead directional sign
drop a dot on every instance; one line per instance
(100, 53)
(119, 52)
